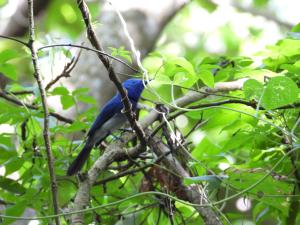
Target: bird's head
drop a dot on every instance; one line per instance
(134, 88)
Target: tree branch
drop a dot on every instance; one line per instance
(37, 76)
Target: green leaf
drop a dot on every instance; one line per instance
(80, 91)
(242, 61)
(207, 78)
(3, 3)
(87, 99)
(253, 89)
(66, 192)
(258, 74)
(162, 79)
(261, 3)
(76, 126)
(7, 55)
(15, 210)
(11, 185)
(63, 17)
(181, 62)
(295, 68)
(9, 71)
(60, 91)
(296, 28)
(280, 91)
(13, 165)
(67, 101)
(208, 5)
(184, 79)
(122, 53)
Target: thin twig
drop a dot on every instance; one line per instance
(15, 39)
(24, 92)
(37, 76)
(93, 50)
(66, 71)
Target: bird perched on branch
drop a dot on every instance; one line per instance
(110, 119)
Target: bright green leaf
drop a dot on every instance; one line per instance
(184, 79)
(67, 101)
(209, 5)
(253, 89)
(121, 52)
(183, 63)
(60, 91)
(9, 71)
(162, 79)
(296, 28)
(87, 99)
(7, 55)
(80, 91)
(207, 78)
(280, 91)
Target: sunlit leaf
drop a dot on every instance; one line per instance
(9, 71)
(207, 78)
(253, 89)
(67, 101)
(280, 91)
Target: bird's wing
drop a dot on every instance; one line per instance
(108, 111)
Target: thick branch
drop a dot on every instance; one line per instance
(46, 135)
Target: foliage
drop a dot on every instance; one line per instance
(239, 143)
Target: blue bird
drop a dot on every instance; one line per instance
(110, 119)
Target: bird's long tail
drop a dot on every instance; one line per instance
(78, 163)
